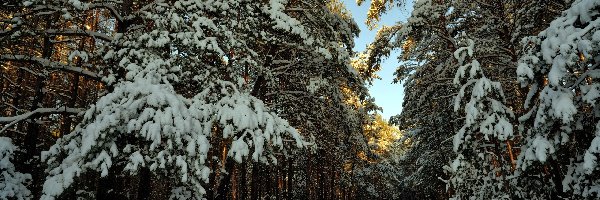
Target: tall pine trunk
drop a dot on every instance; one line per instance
(31, 138)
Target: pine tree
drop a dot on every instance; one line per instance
(48, 61)
(145, 122)
(479, 171)
(560, 128)
(428, 41)
(13, 183)
(427, 45)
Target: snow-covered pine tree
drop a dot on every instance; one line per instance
(379, 176)
(561, 128)
(303, 79)
(496, 26)
(309, 85)
(428, 41)
(13, 183)
(145, 121)
(48, 73)
(427, 44)
(479, 170)
(375, 167)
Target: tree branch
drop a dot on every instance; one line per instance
(53, 65)
(19, 118)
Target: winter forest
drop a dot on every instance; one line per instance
(266, 99)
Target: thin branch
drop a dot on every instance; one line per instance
(52, 64)
(78, 32)
(19, 118)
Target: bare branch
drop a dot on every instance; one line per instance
(19, 118)
(52, 64)
(79, 32)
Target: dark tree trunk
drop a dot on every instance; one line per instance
(243, 181)
(321, 181)
(255, 181)
(32, 152)
(290, 178)
(144, 187)
(332, 178)
(109, 187)
(309, 177)
(277, 181)
(225, 183)
(66, 127)
(18, 91)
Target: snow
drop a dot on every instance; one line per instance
(456, 163)
(68, 32)
(542, 148)
(181, 193)
(315, 83)
(563, 107)
(53, 187)
(523, 70)
(16, 119)
(486, 118)
(173, 129)
(482, 112)
(590, 159)
(51, 65)
(81, 54)
(135, 161)
(283, 21)
(13, 184)
(558, 71)
(560, 104)
(565, 51)
(590, 93)
(460, 55)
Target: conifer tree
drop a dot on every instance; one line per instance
(559, 66)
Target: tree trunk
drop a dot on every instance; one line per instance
(109, 187)
(144, 184)
(18, 91)
(66, 126)
(290, 178)
(225, 183)
(255, 181)
(243, 182)
(321, 181)
(31, 138)
(308, 173)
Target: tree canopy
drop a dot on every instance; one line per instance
(243, 99)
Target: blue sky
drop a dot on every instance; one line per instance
(387, 95)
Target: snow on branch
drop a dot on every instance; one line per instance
(110, 8)
(79, 32)
(52, 64)
(486, 119)
(16, 119)
(174, 130)
(76, 5)
(565, 55)
(482, 111)
(560, 66)
(12, 183)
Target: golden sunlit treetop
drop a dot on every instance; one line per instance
(381, 134)
(337, 7)
(376, 9)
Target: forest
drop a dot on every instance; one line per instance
(266, 99)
